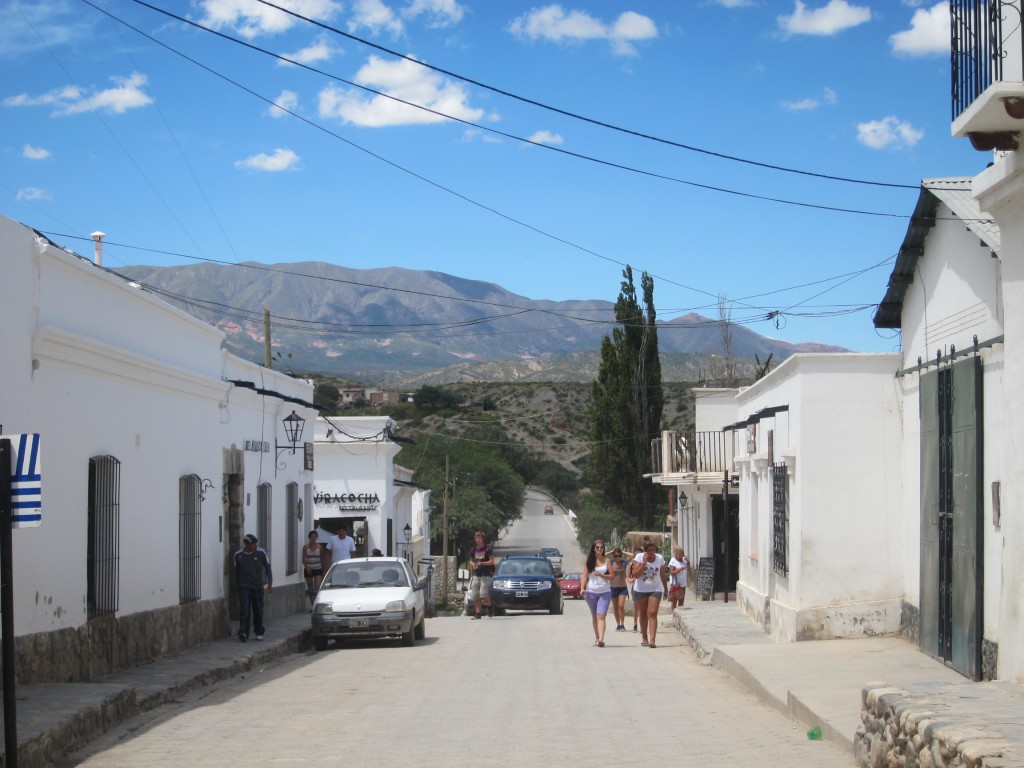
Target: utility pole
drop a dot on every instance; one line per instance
(444, 546)
(266, 338)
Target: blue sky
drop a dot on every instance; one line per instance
(595, 134)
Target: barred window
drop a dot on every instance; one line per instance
(780, 518)
(264, 496)
(103, 547)
(291, 496)
(190, 517)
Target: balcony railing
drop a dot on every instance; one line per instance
(704, 452)
(986, 47)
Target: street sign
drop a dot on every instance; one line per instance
(26, 482)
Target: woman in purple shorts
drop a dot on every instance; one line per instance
(597, 590)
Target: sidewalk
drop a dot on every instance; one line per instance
(826, 682)
(57, 718)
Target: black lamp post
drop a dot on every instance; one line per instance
(407, 531)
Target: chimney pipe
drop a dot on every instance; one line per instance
(98, 239)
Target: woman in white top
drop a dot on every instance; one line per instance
(648, 568)
(597, 590)
(679, 569)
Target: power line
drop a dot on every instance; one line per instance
(573, 115)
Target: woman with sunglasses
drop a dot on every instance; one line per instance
(596, 589)
(651, 584)
(619, 589)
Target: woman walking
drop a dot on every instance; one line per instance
(679, 569)
(313, 567)
(619, 589)
(651, 584)
(597, 590)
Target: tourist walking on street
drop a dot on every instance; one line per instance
(620, 591)
(631, 579)
(651, 585)
(597, 589)
(342, 546)
(252, 571)
(678, 569)
(481, 561)
(313, 567)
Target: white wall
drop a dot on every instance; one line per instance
(840, 439)
(1000, 191)
(98, 367)
(354, 457)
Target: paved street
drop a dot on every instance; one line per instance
(514, 690)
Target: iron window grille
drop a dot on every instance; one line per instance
(190, 518)
(291, 495)
(264, 496)
(103, 547)
(780, 519)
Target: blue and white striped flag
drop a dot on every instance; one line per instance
(26, 482)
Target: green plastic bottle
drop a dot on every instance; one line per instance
(814, 733)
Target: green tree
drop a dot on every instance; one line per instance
(627, 405)
(326, 395)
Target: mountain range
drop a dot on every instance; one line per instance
(423, 326)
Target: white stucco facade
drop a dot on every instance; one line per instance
(99, 368)
(360, 485)
(833, 422)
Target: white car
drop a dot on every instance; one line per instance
(369, 597)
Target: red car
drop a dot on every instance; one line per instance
(549, 510)
(570, 584)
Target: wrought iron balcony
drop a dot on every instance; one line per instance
(987, 58)
(709, 452)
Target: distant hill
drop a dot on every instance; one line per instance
(426, 327)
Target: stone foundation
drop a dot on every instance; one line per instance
(940, 726)
(112, 643)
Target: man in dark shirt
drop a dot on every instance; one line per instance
(481, 561)
(252, 571)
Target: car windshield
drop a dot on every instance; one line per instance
(524, 568)
(571, 577)
(355, 575)
(550, 552)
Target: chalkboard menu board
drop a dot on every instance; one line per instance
(706, 576)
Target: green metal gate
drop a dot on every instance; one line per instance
(951, 510)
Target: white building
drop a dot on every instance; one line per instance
(359, 486)
(158, 452)
(944, 295)
(988, 104)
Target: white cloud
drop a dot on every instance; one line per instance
(375, 16)
(441, 13)
(475, 134)
(546, 137)
(70, 99)
(554, 24)
(29, 194)
(828, 96)
(803, 105)
(928, 33)
(322, 49)
(734, 3)
(35, 153)
(278, 160)
(404, 80)
(286, 100)
(251, 19)
(888, 133)
(827, 20)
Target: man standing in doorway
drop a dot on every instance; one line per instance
(342, 546)
(481, 560)
(252, 571)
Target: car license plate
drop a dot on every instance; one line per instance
(522, 593)
(359, 623)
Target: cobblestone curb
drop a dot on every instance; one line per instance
(940, 726)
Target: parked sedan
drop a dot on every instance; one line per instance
(525, 584)
(571, 585)
(369, 597)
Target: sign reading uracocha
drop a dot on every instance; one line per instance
(349, 502)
